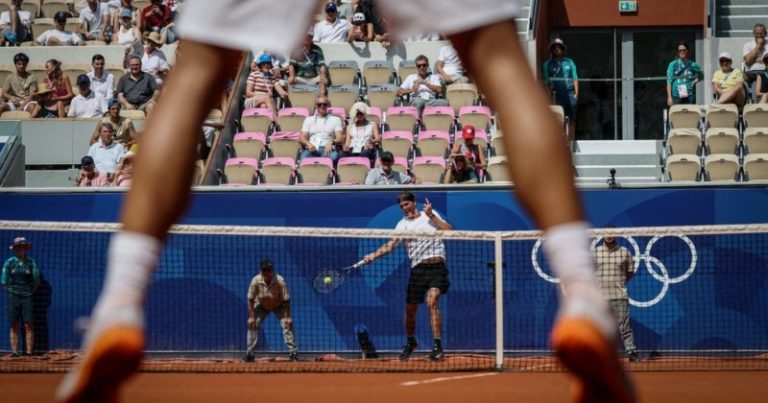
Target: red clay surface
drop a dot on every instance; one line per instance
(471, 387)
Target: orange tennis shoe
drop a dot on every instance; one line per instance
(592, 359)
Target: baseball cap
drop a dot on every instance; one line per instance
(725, 55)
(387, 156)
(126, 13)
(266, 264)
(83, 79)
(61, 16)
(19, 241)
(468, 132)
(358, 18)
(330, 7)
(557, 42)
(87, 160)
(265, 58)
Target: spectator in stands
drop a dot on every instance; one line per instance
(89, 176)
(87, 104)
(761, 84)
(124, 172)
(20, 87)
(682, 76)
(126, 32)
(124, 131)
(449, 66)
(308, 66)
(332, 29)
(15, 24)
(95, 20)
(49, 108)
(153, 61)
(102, 81)
(106, 153)
(268, 293)
(754, 51)
(563, 80)
(362, 135)
(261, 86)
(728, 82)
(20, 279)
(423, 86)
(117, 16)
(322, 132)
(346, 10)
(376, 26)
(385, 175)
(59, 83)
(137, 89)
(359, 31)
(474, 153)
(459, 171)
(59, 36)
(157, 18)
(614, 268)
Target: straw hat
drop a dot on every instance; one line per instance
(155, 37)
(43, 88)
(359, 107)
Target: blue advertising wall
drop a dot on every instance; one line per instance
(197, 302)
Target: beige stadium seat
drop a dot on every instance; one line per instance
(459, 95)
(497, 143)
(284, 144)
(353, 170)
(497, 169)
(756, 115)
(316, 170)
(278, 170)
(684, 141)
(722, 167)
(38, 70)
(378, 72)
(50, 7)
(756, 167)
(429, 169)
(15, 115)
(241, 170)
(684, 116)
(249, 145)
(291, 119)
(721, 140)
(72, 71)
(40, 25)
(73, 24)
(382, 96)
(399, 143)
(343, 72)
(405, 69)
(343, 96)
(722, 115)
(683, 167)
(402, 118)
(756, 140)
(437, 118)
(303, 96)
(4, 6)
(256, 120)
(33, 6)
(433, 143)
(132, 114)
(5, 71)
(117, 72)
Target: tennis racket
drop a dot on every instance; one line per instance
(327, 281)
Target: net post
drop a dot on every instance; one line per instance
(499, 298)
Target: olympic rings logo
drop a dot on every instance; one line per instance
(662, 275)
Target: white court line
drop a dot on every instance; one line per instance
(447, 378)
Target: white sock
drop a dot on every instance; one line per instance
(567, 248)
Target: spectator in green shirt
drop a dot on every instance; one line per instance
(682, 76)
(20, 279)
(459, 170)
(307, 66)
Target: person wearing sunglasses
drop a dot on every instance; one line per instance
(682, 76)
(423, 87)
(728, 82)
(322, 132)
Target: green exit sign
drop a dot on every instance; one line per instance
(627, 6)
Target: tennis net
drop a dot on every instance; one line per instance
(696, 299)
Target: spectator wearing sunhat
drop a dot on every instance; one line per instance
(59, 36)
(728, 82)
(332, 29)
(49, 108)
(362, 135)
(89, 176)
(153, 61)
(20, 279)
(86, 104)
(474, 153)
(559, 73)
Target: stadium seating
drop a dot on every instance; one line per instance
(756, 167)
(382, 95)
(402, 118)
(406, 68)
(38, 70)
(683, 167)
(284, 144)
(241, 170)
(721, 167)
(459, 95)
(756, 115)
(116, 71)
(338, 111)
(374, 115)
(316, 171)
(429, 169)
(73, 24)
(303, 96)
(132, 114)
(73, 71)
(343, 96)
(257, 120)
(684, 141)
(343, 72)
(291, 119)
(481, 138)
(756, 139)
(5, 71)
(726, 115)
(437, 118)
(497, 169)
(15, 115)
(249, 144)
(399, 143)
(433, 143)
(722, 140)
(33, 6)
(478, 116)
(50, 7)
(40, 25)
(352, 170)
(684, 116)
(497, 143)
(399, 165)
(277, 170)
(378, 72)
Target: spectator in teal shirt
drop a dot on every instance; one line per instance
(20, 278)
(682, 76)
(563, 80)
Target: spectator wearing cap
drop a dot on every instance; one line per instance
(124, 131)
(153, 61)
(359, 30)
(15, 24)
(106, 153)
(385, 175)
(137, 89)
(124, 173)
(87, 104)
(20, 87)
(125, 31)
(376, 25)
(459, 170)
(728, 82)
(262, 85)
(158, 17)
(307, 66)
(94, 18)
(49, 107)
(59, 36)
(559, 73)
(20, 279)
(125, 9)
(761, 84)
(449, 66)
(682, 76)
(268, 293)
(322, 132)
(754, 52)
(102, 81)
(474, 153)
(423, 87)
(362, 135)
(331, 29)
(89, 176)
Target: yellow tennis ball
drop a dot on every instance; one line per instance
(327, 280)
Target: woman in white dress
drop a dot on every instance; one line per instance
(362, 135)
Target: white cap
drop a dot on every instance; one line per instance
(725, 55)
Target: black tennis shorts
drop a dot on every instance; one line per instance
(425, 276)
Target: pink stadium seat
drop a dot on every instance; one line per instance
(478, 116)
(338, 111)
(249, 144)
(399, 143)
(481, 138)
(316, 170)
(433, 142)
(241, 170)
(374, 115)
(257, 120)
(429, 169)
(353, 170)
(285, 144)
(437, 118)
(278, 170)
(258, 112)
(402, 118)
(291, 119)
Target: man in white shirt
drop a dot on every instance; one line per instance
(153, 61)
(753, 51)
(331, 29)
(429, 276)
(423, 86)
(449, 66)
(95, 20)
(87, 104)
(102, 81)
(59, 36)
(321, 132)
(106, 152)
(15, 24)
